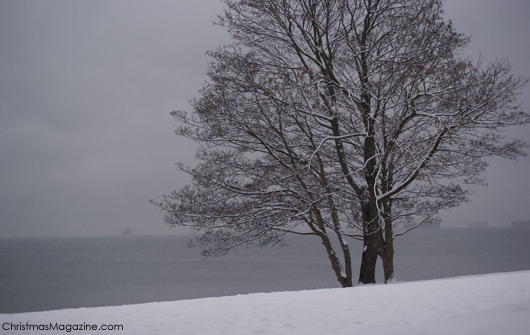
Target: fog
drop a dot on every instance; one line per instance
(86, 88)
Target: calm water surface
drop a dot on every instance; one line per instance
(56, 273)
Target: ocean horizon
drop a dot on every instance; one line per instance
(41, 274)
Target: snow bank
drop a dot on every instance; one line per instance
(486, 304)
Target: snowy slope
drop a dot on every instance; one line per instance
(487, 304)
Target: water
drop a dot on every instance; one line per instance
(57, 273)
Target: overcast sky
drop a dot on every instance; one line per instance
(86, 88)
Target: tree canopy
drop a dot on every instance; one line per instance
(339, 119)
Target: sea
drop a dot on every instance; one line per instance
(38, 274)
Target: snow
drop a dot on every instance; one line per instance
(484, 304)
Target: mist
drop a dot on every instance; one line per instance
(86, 87)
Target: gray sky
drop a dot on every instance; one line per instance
(86, 88)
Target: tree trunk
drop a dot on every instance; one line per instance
(369, 260)
(371, 245)
(387, 257)
(387, 249)
(344, 279)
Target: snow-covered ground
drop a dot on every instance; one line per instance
(486, 304)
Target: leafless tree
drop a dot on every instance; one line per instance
(333, 113)
(266, 171)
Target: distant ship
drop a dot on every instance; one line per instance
(127, 232)
(478, 224)
(521, 223)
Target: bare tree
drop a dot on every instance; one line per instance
(330, 113)
(266, 172)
